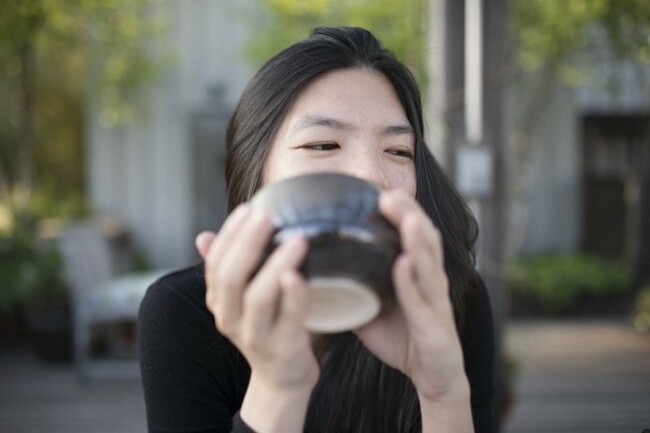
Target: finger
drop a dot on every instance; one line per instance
(418, 313)
(417, 232)
(262, 295)
(229, 228)
(423, 243)
(395, 205)
(419, 238)
(291, 318)
(203, 241)
(230, 273)
(215, 251)
(405, 283)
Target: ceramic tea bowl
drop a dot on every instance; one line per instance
(352, 247)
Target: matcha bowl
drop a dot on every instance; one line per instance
(352, 247)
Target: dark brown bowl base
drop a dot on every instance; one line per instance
(346, 283)
(339, 304)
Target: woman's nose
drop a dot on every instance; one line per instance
(368, 169)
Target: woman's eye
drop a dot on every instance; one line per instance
(321, 146)
(402, 153)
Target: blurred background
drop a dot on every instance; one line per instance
(112, 126)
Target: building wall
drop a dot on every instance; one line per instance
(551, 211)
(142, 174)
(145, 175)
(555, 213)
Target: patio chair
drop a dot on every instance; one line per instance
(98, 295)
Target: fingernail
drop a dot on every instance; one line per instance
(297, 247)
(293, 241)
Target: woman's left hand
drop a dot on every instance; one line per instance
(418, 336)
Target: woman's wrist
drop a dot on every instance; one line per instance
(268, 408)
(448, 413)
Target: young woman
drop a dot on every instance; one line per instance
(223, 348)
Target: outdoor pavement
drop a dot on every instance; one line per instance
(580, 376)
(44, 398)
(573, 376)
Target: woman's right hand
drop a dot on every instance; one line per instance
(261, 313)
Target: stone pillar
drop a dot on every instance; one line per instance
(486, 150)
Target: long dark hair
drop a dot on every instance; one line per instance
(356, 392)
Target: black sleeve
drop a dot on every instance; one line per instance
(193, 378)
(479, 355)
(239, 426)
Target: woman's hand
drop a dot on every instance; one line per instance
(262, 315)
(418, 336)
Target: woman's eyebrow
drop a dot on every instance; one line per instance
(397, 130)
(330, 122)
(318, 120)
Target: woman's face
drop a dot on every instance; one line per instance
(347, 121)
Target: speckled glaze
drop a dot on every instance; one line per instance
(339, 214)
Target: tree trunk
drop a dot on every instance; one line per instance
(24, 116)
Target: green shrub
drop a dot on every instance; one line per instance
(28, 274)
(559, 282)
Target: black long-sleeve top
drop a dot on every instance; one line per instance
(194, 378)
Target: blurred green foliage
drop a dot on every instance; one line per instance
(547, 33)
(104, 41)
(642, 310)
(559, 282)
(401, 26)
(56, 56)
(29, 275)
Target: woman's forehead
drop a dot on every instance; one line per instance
(347, 98)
